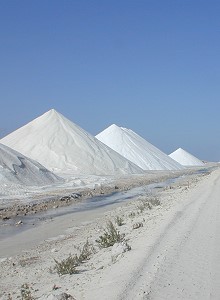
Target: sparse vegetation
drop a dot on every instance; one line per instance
(26, 292)
(143, 204)
(118, 251)
(28, 261)
(119, 221)
(131, 215)
(148, 203)
(86, 252)
(110, 237)
(155, 201)
(67, 266)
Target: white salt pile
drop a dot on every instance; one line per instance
(185, 158)
(18, 169)
(63, 147)
(136, 149)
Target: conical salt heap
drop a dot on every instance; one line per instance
(64, 147)
(185, 158)
(133, 147)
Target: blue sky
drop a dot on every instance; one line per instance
(152, 66)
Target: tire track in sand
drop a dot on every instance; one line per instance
(184, 262)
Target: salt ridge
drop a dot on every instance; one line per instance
(136, 149)
(185, 158)
(15, 168)
(64, 147)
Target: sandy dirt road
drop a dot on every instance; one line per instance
(184, 261)
(174, 255)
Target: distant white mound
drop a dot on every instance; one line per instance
(62, 146)
(136, 149)
(185, 158)
(18, 169)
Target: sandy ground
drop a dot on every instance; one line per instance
(174, 253)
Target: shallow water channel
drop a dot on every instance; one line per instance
(8, 228)
(56, 223)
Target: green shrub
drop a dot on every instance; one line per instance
(119, 221)
(110, 237)
(148, 203)
(131, 215)
(26, 292)
(86, 252)
(67, 266)
(144, 204)
(155, 201)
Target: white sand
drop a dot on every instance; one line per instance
(133, 147)
(185, 158)
(175, 255)
(62, 146)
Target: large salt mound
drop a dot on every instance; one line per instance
(185, 158)
(136, 149)
(62, 146)
(18, 169)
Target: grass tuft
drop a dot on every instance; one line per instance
(110, 237)
(119, 221)
(26, 292)
(67, 265)
(86, 252)
(148, 203)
